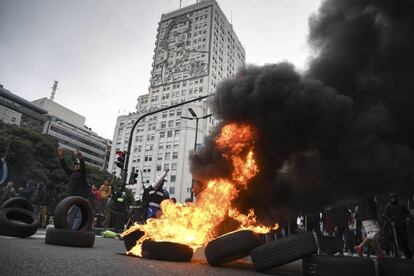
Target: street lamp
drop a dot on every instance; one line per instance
(195, 117)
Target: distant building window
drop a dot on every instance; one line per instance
(172, 178)
(172, 190)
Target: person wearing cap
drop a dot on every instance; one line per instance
(78, 184)
(398, 216)
(156, 196)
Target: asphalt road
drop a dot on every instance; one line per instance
(32, 256)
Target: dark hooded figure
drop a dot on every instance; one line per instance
(398, 216)
(78, 185)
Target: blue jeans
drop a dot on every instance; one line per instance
(74, 217)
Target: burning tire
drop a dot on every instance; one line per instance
(231, 247)
(131, 240)
(395, 267)
(17, 202)
(284, 251)
(61, 213)
(167, 251)
(322, 265)
(66, 237)
(18, 222)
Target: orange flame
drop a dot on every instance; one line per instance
(193, 223)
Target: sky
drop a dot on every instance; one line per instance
(101, 51)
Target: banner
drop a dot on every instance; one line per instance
(4, 172)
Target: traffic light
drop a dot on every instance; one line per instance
(121, 159)
(133, 177)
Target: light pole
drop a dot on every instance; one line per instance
(128, 151)
(196, 118)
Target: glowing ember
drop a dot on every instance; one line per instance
(193, 223)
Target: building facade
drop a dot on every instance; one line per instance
(68, 127)
(20, 112)
(196, 47)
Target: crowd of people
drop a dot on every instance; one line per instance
(361, 229)
(352, 228)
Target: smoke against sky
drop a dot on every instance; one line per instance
(343, 128)
(101, 51)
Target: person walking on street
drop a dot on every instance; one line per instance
(367, 213)
(398, 217)
(156, 196)
(78, 184)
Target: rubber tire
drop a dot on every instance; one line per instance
(323, 265)
(395, 267)
(61, 211)
(231, 247)
(9, 227)
(17, 202)
(283, 251)
(66, 237)
(131, 240)
(166, 251)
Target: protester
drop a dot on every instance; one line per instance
(342, 216)
(156, 196)
(7, 192)
(398, 216)
(106, 191)
(95, 198)
(78, 184)
(367, 214)
(28, 191)
(119, 209)
(40, 203)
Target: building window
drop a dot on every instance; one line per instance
(172, 178)
(174, 166)
(162, 134)
(175, 155)
(169, 133)
(172, 190)
(170, 123)
(158, 168)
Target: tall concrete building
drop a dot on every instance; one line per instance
(196, 47)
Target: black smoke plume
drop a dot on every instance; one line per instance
(342, 129)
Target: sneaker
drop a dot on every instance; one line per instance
(358, 250)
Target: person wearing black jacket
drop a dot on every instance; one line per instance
(367, 214)
(78, 184)
(398, 216)
(119, 209)
(342, 216)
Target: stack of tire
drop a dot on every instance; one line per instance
(236, 245)
(62, 234)
(17, 218)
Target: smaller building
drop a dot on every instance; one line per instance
(20, 112)
(68, 127)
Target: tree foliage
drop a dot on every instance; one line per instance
(32, 155)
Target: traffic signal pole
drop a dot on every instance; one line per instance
(128, 152)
